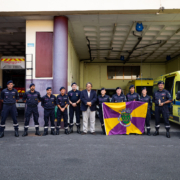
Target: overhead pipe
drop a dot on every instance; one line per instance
(129, 52)
(90, 50)
(149, 45)
(120, 62)
(130, 57)
(101, 49)
(139, 55)
(134, 48)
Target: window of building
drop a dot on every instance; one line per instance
(123, 72)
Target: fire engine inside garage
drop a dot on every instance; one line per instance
(12, 56)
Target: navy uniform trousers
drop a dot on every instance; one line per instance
(73, 110)
(65, 117)
(101, 116)
(9, 108)
(31, 110)
(148, 118)
(165, 113)
(49, 113)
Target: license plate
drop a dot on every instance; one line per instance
(20, 105)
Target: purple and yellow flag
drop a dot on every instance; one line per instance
(124, 117)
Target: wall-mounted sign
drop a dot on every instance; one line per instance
(30, 44)
(8, 62)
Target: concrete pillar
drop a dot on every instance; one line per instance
(60, 53)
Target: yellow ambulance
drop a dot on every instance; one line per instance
(139, 83)
(172, 84)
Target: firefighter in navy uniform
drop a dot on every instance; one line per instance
(31, 98)
(132, 96)
(119, 96)
(62, 102)
(9, 97)
(162, 98)
(101, 99)
(146, 98)
(74, 101)
(48, 102)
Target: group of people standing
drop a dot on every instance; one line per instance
(77, 101)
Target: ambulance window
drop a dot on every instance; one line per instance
(177, 87)
(169, 84)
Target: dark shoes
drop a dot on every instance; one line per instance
(103, 130)
(83, 133)
(45, 133)
(53, 132)
(37, 133)
(66, 132)
(25, 134)
(167, 134)
(78, 129)
(148, 132)
(16, 134)
(1, 134)
(71, 130)
(156, 133)
(57, 132)
(93, 133)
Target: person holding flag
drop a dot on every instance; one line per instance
(101, 99)
(146, 98)
(132, 95)
(119, 96)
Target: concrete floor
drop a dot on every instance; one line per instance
(90, 157)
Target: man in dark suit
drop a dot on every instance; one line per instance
(88, 108)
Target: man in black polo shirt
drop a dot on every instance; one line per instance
(162, 98)
(48, 102)
(9, 97)
(74, 101)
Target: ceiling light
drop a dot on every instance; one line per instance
(139, 27)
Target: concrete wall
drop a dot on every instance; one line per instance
(73, 64)
(97, 74)
(173, 65)
(33, 26)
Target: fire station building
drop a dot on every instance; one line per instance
(107, 43)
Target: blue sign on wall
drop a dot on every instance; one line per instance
(30, 44)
